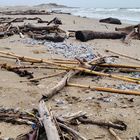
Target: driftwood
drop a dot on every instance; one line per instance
(48, 123)
(75, 133)
(121, 126)
(28, 12)
(123, 55)
(111, 20)
(21, 73)
(16, 117)
(112, 132)
(89, 71)
(55, 21)
(86, 35)
(48, 76)
(104, 89)
(31, 27)
(131, 31)
(50, 37)
(53, 91)
(6, 34)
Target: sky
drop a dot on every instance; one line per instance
(77, 3)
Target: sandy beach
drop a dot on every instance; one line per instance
(25, 96)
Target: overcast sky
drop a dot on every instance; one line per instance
(77, 3)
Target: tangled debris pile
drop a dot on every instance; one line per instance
(46, 124)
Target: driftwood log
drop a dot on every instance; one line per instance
(48, 123)
(53, 91)
(31, 27)
(49, 37)
(86, 35)
(131, 31)
(111, 20)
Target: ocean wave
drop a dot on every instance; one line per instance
(131, 15)
(106, 9)
(134, 9)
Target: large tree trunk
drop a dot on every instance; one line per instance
(86, 35)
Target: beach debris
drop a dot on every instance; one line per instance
(76, 68)
(111, 20)
(48, 122)
(85, 35)
(105, 89)
(113, 133)
(133, 32)
(21, 73)
(26, 12)
(122, 55)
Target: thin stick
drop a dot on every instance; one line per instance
(119, 66)
(114, 134)
(104, 89)
(123, 55)
(48, 76)
(77, 134)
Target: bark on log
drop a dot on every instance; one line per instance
(86, 35)
(49, 125)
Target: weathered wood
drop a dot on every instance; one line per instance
(123, 55)
(111, 20)
(77, 68)
(75, 133)
(104, 89)
(53, 91)
(53, 38)
(27, 12)
(31, 27)
(103, 124)
(86, 35)
(114, 134)
(48, 123)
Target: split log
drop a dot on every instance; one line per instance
(86, 35)
(111, 20)
(48, 123)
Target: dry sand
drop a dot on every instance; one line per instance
(25, 96)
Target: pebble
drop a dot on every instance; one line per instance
(67, 50)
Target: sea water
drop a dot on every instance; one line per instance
(127, 15)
